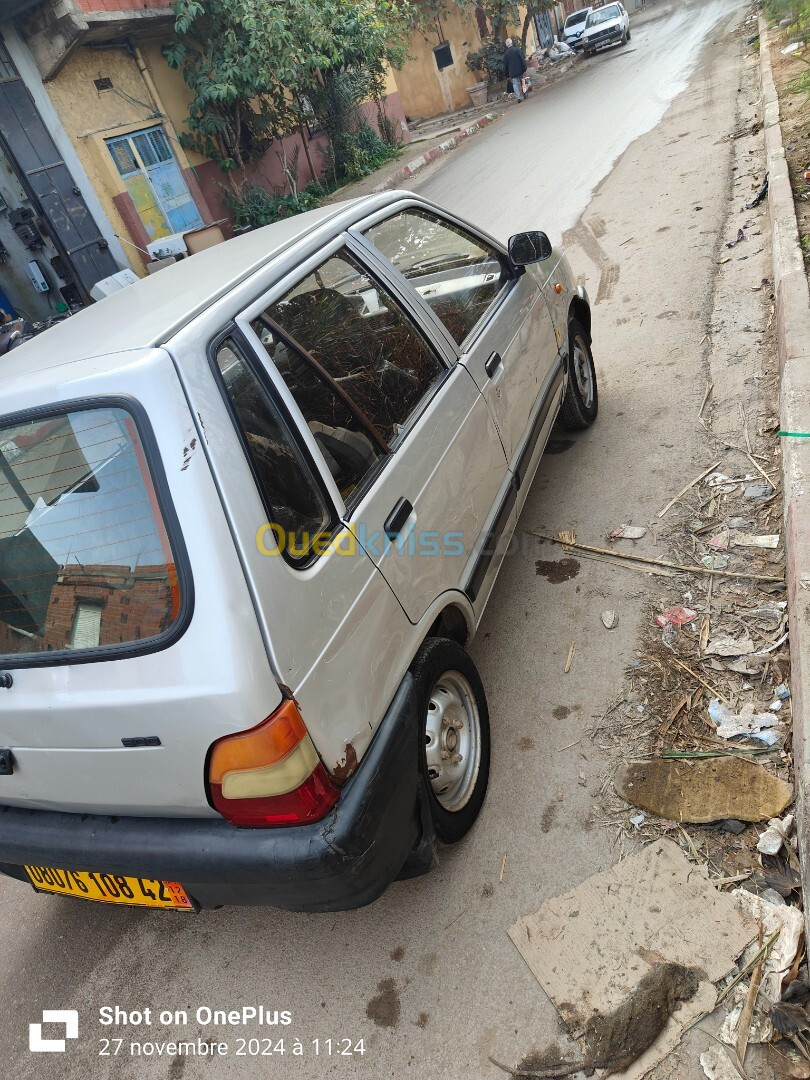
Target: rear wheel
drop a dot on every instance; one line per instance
(581, 402)
(454, 735)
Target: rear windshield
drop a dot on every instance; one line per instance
(577, 17)
(603, 14)
(85, 559)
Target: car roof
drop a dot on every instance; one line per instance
(153, 309)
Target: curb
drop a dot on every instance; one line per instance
(423, 160)
(793, 343)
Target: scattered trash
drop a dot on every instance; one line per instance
(760, 195)
(739, 240)
(782, 692)
(717, 1065)
(610, 619)
(728, 646)
(722, 483)
(792, 48)
(638, 820)
(628, 532)
(746, 722)
(721, 541)
(771, 540)
(715, 562)
(677, 616)
(775, 706)
(703, 790)
(616, 965)
(778, 832)
(758, 491)
(691, 484)
(789, 921)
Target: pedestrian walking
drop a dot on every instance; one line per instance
(514, 67)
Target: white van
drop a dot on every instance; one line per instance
(251, 511)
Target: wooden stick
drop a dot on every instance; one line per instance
(703, 682)
(709, 386)
(747, 1015)
(697, 480)
(759, 469)
(570, 659)
(503, 867)
(630, 557)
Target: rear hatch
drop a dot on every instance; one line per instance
(124, 673)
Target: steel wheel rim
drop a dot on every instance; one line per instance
(452, 741)
(583, 374)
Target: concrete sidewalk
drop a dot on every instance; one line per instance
(793, 337)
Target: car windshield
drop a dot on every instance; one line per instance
(603, 14)
(577, 17)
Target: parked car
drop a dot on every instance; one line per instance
(605, 26)
(251, 512)
(574, 27)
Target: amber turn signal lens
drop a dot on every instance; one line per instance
(558, 288)
(266, 744)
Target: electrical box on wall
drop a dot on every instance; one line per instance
(37, 278)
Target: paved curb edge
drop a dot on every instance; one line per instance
(423, 160)
(793, 341)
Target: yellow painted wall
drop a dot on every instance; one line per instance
(90, 116)
(172, 89)
(425, 90)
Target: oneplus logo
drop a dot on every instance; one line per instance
(68, 1017)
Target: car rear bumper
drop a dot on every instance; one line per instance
(379, 830)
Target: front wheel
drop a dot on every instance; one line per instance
(587, 53)
(628, 33)
(581, 402)
(454, 735)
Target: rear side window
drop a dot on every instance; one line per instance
(296, 509)
(85, 557)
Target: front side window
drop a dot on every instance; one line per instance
(85, 558)
(357, 367)
(291, 498)
(459, 277)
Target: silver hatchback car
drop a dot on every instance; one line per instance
(251, 512)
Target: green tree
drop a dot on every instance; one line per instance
(253, 65)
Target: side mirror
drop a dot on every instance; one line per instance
(529, 247)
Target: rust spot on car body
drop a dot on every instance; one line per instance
(344, 769)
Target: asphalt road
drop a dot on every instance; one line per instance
(427, 977)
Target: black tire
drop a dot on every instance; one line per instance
(624, 38)
(436, 658)
(578, 408)
(587, 53)
(628, 33)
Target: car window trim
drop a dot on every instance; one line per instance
(359, 230)
(290, 424)
(171, 523)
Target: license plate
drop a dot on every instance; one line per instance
(110, 888)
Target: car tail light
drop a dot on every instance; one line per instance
(271, 774)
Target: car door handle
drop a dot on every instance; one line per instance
(491, 366)
(397, 518)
